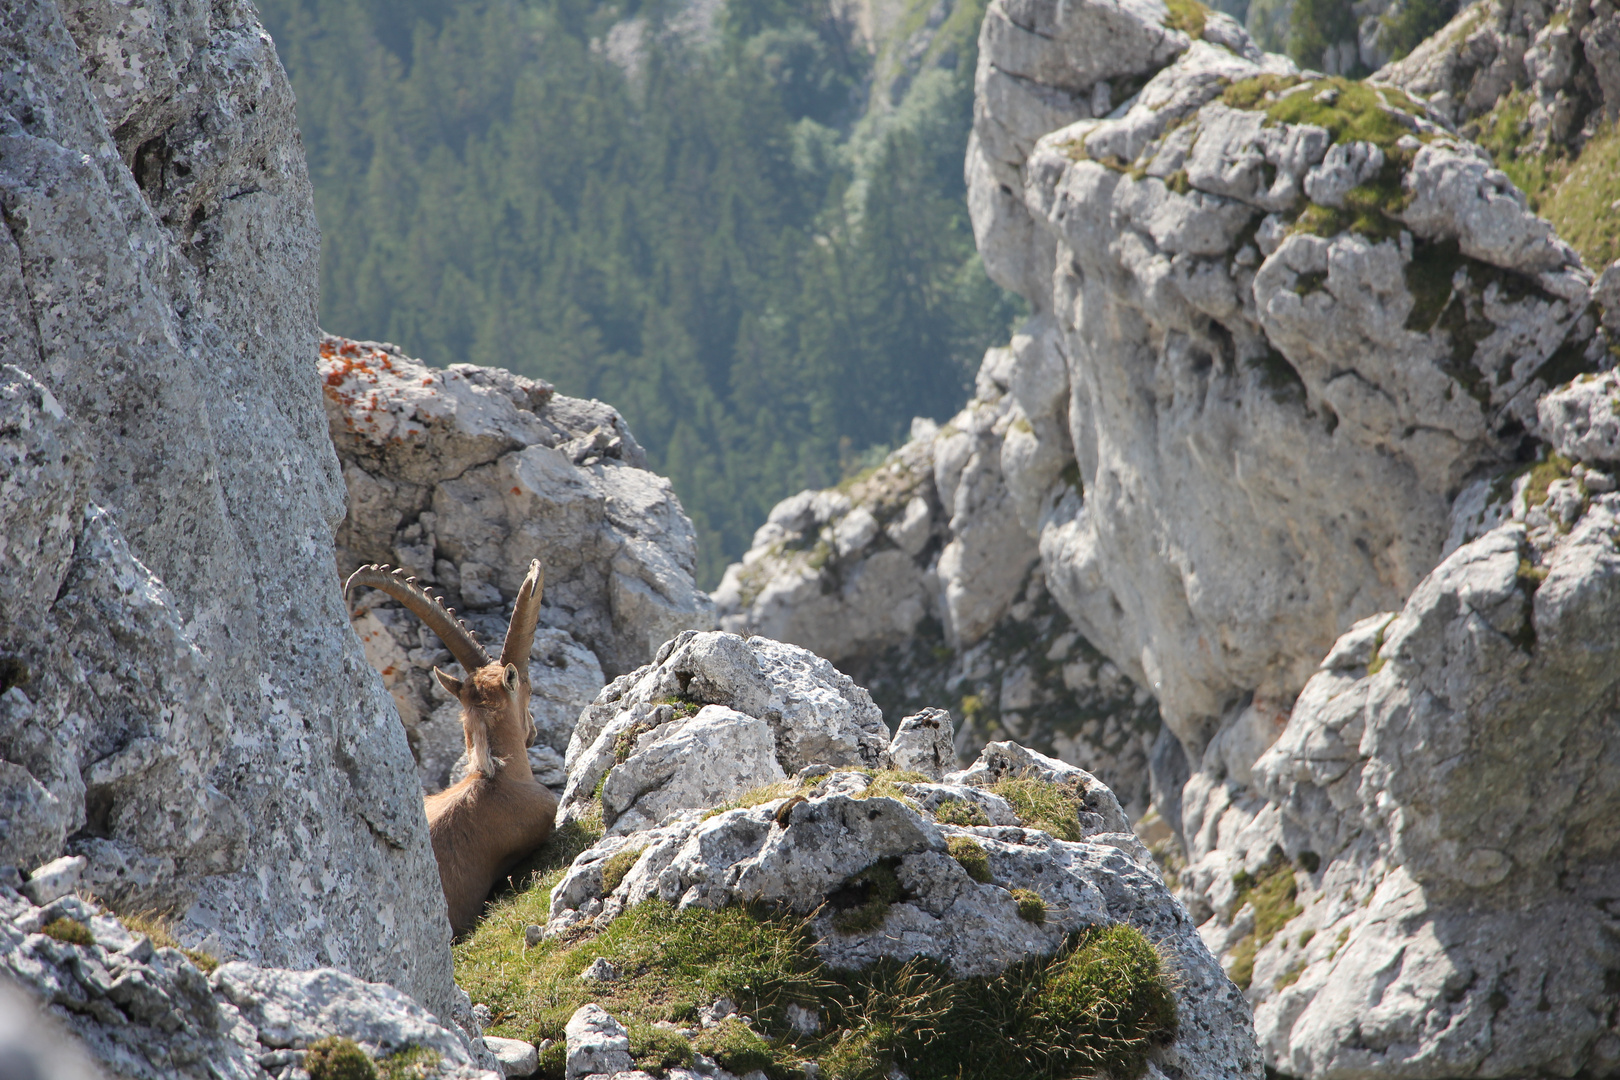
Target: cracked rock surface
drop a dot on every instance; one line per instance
(182, 701)
(461, 476)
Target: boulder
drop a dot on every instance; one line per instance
(149, 1012)
(800, 850)
(714, 716)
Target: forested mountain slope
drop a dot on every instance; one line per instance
(743, 224)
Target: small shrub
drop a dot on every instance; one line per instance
(656, 1047)
(1031, 906)
(624, 744)
(618, 865)
(554, 1061)
(960, 812)
(69, 930)
(337, 1058)
(865, 898)
(971, 854)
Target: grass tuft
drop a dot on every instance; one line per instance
(960, 812)
(1274, 896)
(69, 930)
(618, 865)
(411, 1063)
(337, 1058)
(1031, 906)
(1188, 16)
(158, 928)
(1039, 804)
(755, 797)
(655, 1047)
(737, 1047)
(971, 854)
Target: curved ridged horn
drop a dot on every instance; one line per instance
(526, 613)
(451, 630)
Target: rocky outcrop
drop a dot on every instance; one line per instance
(463, 475)
(770, 712)
(147, 1011)
(1312, 348)
(1553, 69)
(713, 716)
(184, 703)
(922, 579)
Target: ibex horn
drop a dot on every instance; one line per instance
(520, 633)
(451, 630)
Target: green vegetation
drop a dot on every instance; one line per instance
(1374, 666)
(971, 854)
(1273, 894)
(1542, 474)
(1097, 1005)
(864, 901)
(1031, 905)
(1582, 207)
(1409, 23)
(1187, 16)
(336, 1058)
(618, 865)
(1039, 804)
(755, 797)
(757, 249)
(69, 930)
(158, 928)
(1315, 25)
(659, 1047)
(1291, 976)
(411, 1063)
(960, 812)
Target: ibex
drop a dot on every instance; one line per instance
(484, 824)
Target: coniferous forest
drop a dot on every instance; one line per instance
(744, 227)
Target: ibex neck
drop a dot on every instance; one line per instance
(512, 750)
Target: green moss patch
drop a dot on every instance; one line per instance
(1099, 1004)
(1188, 16)
(69, 930)
(1039, 804)
(971, 854)
(1274, 896)
(1031, 905)
(960, 812)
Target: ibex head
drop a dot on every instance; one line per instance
(494, 694)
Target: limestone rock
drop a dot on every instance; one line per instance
(797, 852)
(517, 1057)
(751, 712)
(941, 602)
(597, 1043)
(461, 476)
(925, 743)
(1580, 419)
(188, 662)
(149, 1013)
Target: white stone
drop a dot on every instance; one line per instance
(597, 1043)
(55, 879)
(517, 1056)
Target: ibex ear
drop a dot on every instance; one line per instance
(451, 684)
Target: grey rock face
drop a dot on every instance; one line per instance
(597, 1043)
(921, 580)
(797, 850)
(925, 743)
(716, 715)
(1433, 817)
(461, 476)
(1563, 58)
(148, 1013)
(184, 664)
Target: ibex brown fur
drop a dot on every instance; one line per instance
(485, 824)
